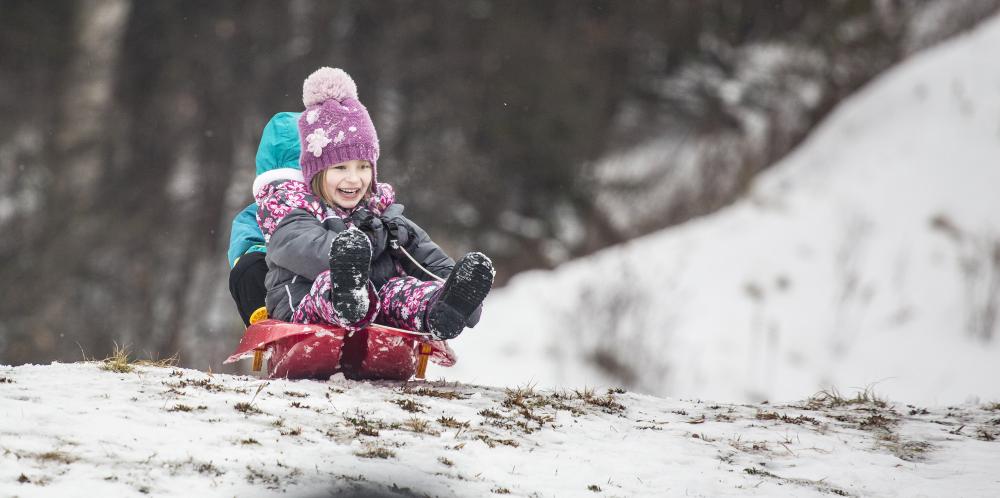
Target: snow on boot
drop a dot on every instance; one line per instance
(463, 292)
(350, 264)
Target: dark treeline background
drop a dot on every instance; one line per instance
(129, 131)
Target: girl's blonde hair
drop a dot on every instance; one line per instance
(318, 181)
(318, 187)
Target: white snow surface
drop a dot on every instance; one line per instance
(866, 257)
(80, 430)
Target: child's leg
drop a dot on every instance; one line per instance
(350, 267)
(246, 284)
(462, 294)
(404, 302)
(316, 307)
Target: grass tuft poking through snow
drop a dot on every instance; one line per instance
(119, 361)
(832, 398)
(247, 408)
(376, 452)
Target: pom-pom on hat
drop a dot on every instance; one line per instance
(335, 126)
(328, 83)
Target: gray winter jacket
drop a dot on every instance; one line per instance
(299, 247)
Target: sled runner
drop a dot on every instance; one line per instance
(318, 351)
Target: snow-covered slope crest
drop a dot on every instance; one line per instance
(871, 255)
(78, 430)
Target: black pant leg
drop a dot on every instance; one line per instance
(246, 284)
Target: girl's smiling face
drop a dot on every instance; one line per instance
(346, 184)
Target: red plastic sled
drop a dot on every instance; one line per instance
(318, 351)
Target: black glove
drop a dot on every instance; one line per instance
(362, 218)
(400, 231)
(372, 226)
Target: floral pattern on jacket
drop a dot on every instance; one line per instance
(276, 199)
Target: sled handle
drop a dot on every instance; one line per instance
(258, 354)
(425, 352)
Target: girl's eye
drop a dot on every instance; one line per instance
(340, 167)
(366, 165)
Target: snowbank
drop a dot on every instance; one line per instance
(871, 255)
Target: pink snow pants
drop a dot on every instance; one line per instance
(402, 302)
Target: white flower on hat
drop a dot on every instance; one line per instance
(316, 141)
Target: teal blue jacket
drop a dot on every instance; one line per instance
(246, 235)
(279, 149)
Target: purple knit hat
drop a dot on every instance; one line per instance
(335, 126)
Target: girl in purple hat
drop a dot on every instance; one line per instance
(339, 250)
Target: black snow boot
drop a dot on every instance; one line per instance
(350, 265)
(463, 292)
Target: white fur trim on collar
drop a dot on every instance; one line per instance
(274, 175)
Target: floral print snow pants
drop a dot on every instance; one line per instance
(402, 302)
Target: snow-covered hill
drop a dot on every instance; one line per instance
(80, 430)
(871, 255)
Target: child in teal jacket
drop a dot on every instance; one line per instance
(277, 159)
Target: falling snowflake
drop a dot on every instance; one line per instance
(312, 116)
(317, 140)
(353, 129)
(339, 138)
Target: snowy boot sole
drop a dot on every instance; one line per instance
(463, 292)
(350, 264)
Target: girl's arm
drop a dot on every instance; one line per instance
(426, 251)
(301, 244)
